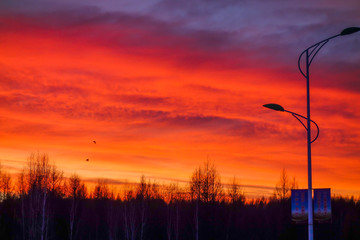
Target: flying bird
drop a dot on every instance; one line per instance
(87, 159)
(94, 141)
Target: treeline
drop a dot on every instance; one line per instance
(41, 204)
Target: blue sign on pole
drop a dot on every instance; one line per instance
(299, 205)
(322, 205)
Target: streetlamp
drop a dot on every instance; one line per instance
(309, 54)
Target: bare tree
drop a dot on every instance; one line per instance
(101, 190)
(129, 215)
(205, 186)
(172, 196)
(112, 215)
(236, 197)
(6, 188)
(205, 183)
(177, 214)
(143, 195)
(235, 192)
(212, 188)
(284, 185)
(195, 184)
(195, 194)
(56, 182)
(22, 189)
(37, 181)
(44, 171)
(76, 190)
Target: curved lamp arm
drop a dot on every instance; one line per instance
(314, 49)
(277, 107)
(295, 115)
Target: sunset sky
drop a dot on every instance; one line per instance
(163, 85)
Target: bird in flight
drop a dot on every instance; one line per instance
(87, 160)
(94, 141)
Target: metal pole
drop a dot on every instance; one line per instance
(314, 49)
(310, 203)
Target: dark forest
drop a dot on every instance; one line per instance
(42, 204)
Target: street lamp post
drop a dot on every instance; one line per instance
(309, 54)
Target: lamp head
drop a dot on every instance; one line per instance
(349, 30)
(274, 106)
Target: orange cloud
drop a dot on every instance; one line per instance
(159, 100)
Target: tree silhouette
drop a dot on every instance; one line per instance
(235, 193)
(205, 183)
(284, 186)
(6, 188)
(43, 204)
(76, 191)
